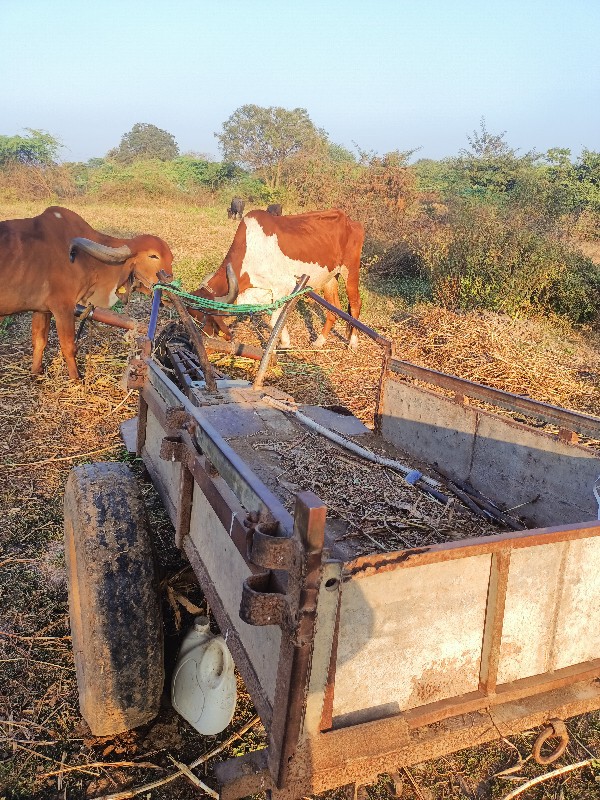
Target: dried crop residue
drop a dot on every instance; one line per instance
(378, 510)
(548, 362)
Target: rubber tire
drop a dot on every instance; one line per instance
(114, 603)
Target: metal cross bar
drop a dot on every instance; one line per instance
(360, 326)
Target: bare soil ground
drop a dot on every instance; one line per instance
(48, 425)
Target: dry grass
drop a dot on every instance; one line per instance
(537, 358)
(44, 421)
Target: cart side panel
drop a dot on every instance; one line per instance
(166, 475)
(550, 617)
(227, 570)
(402, 645)
(514, 465)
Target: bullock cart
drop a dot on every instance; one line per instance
(359, 659)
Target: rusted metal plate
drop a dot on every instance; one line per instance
(549, 479)
(410, 637)
(166, 475)
(346, 424)
(551, 609)
(231, 419)
(228, 571)
(428, 426)
(128, 431)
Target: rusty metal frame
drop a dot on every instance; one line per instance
(499, 547)
(566, 419)
(359, 753)
(287, 555)
(382, 341)
(276, 332)
(355, 323)
(284, 557)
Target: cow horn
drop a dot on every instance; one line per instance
(109, 255)
(232, 288)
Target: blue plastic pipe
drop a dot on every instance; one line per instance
(154, 314)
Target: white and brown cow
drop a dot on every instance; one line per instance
(51, 262)
(269, 254)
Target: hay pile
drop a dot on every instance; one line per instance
(534, 358)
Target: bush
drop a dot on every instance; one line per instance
(587, 226)
(576, 292)
(253, 190)
(54, 183)
(503, 261)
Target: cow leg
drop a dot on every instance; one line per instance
(40, 326)
(330, 290)
(65, 328)
(354, 305)
(284, 339)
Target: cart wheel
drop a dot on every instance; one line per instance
(114, 604)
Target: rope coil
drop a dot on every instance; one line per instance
(203, 304)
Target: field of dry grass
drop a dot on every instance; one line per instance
(48, 425)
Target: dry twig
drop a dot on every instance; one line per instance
(548, 775)
(148, 787)
(62, 458)
(194, 780)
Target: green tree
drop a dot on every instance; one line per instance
(38, 148)
(561, 175)
(263, 139)
(587, 169)
(431, 175)
(145, 141)
(490, 169)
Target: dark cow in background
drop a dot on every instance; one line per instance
(270, 253)
(276, 209)
(236, 208)
(51, 262)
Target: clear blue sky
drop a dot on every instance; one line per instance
(382, 73)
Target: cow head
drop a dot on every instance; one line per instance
(142, 257)
(213, 324)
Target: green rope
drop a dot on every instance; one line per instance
(213, 305)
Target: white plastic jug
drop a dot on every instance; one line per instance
(204, 688)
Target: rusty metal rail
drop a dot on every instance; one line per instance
(276, 332)
(360, 326)
(564, 418)
(109, 317)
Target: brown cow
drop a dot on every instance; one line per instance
(51, 262)
(270, 253)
